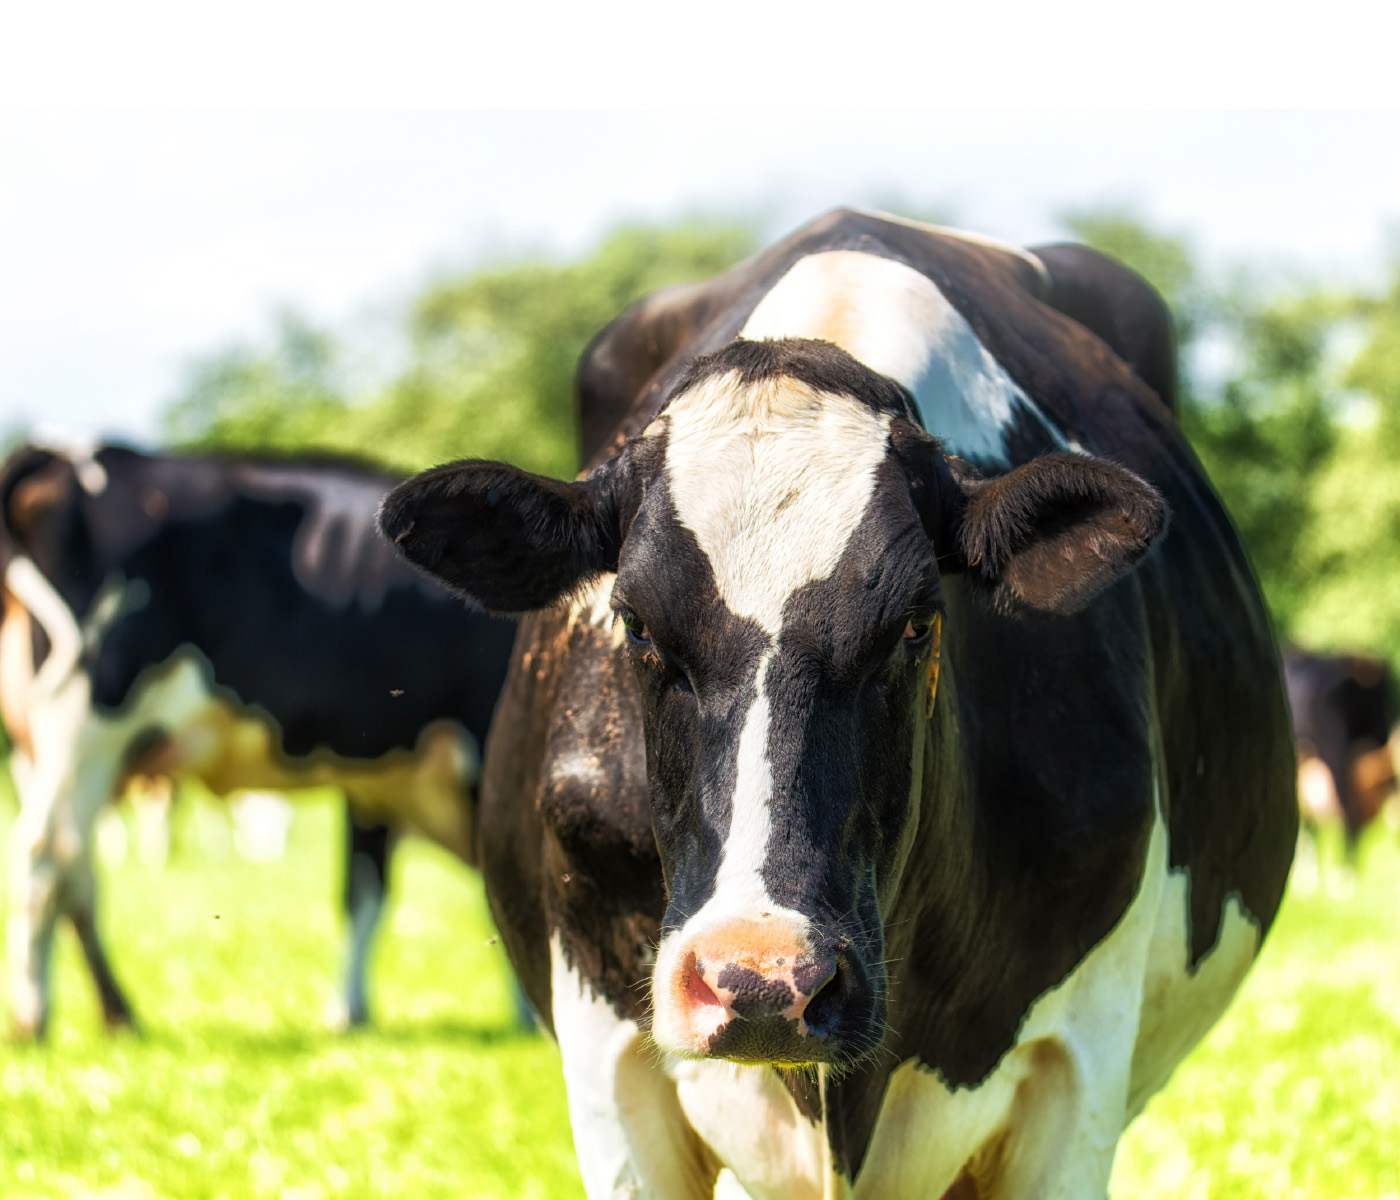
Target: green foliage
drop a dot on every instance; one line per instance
(273, 400)
(489, 374)
(1292, 1096)
(1268, 429)
(1349, 554)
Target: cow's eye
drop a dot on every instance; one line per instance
(917, 628)
(636, 630)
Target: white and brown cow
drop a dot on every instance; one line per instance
(233, 620)
(885, 796)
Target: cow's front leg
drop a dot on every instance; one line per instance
(1062, 1132)
(29, 927)
(51, 874)
(367, 849)
(81, 906)
(630, 1135)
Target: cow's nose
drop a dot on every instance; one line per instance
(749, 972)
(780, 987)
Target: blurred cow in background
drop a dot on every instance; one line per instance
(233, 620)
(1344, 712)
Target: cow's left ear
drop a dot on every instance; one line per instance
(1056, 531)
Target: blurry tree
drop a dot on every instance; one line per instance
(1269, 427)
(1265, 424)
(269, 400)
(490, 365)
(1351, 551)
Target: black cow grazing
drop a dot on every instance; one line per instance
(870, 711)
(233, 620)
(1344, 711)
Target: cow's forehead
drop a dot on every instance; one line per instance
(773, 478)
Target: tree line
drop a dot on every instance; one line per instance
(1290, 394)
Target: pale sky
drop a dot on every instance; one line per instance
(131, 244)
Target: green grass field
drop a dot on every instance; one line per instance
(236, 1088)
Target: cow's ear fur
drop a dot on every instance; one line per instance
(507, 540)
(34, 484)
(1053, 533)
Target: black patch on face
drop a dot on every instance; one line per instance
(846, 698)
(765, 1039)
(754, 996)
(844, 695)
(697, 684)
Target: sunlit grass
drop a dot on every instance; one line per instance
(1296, 1094)
(237, 1089)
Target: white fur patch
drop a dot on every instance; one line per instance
(748, 1118)
(630, 1136)
(1181, 1004)
(593, 606)
(1089, 1054)
(773, 479)
(897, 322)
(31, 587)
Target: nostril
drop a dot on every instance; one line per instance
(826, 995)
(698, 993)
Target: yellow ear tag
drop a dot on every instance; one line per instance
(934, 653)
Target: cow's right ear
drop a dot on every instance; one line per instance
(507, 540)
(33, 484)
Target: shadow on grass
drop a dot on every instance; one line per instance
(443, 1033)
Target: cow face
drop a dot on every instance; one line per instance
(780, 534)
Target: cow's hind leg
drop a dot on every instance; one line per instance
(368, 846)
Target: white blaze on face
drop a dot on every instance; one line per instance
(773, 478)
(897, 322)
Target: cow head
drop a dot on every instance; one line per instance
(780, 535)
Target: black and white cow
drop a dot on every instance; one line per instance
(237, 621)
(884, 797)
(1344, 714)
